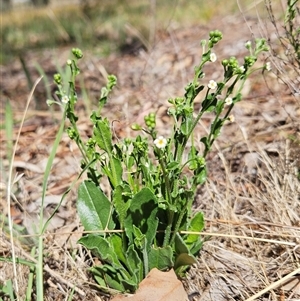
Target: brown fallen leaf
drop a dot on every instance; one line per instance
(158, 286)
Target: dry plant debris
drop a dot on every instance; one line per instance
(252, 191)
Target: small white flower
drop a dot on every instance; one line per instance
(242, 69)
(160, 142)
(248, 44)
(268, 66)
(231, 118)
(69, 62)
(65, 99)
(228, 101)
(212, 84)
(213, 57)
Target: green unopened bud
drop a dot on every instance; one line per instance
(225, 63)
(127, 141)
(50, 102)
(77, 53)
(57, 78)
(261, 45)
(136, 127)
(216, 34)
(250, 60)
(91, 143)
(201, 161)
(72, 133)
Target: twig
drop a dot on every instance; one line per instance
(274, 285)
(9, 188)
(54, 274)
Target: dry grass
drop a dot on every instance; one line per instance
(251, 199)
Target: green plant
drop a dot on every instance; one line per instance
(16, 232)
(136, 225)
(292, 29)
(286, 54)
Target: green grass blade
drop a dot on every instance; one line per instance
(42, 226)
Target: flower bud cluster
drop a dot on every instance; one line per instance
(232, 67)
(77, 53)
(73, 135)
(214, 37)
(250, 60)
(57, 79)
(140, 146)
(150, 120)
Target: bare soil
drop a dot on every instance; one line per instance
(251, 199)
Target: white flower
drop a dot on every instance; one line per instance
(228, 101)
(213, 57)
(268, 66)
(242, 69)
(65, 99)
(69, 62)
(212, 84)
(160, 142)
(231, 118)
(248, 44)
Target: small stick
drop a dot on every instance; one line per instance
(274, 285)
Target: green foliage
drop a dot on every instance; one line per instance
(292, 28)
(7, 290)
(137, 226)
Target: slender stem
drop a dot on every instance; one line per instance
(168, 231)
(39, 266)
(177, 226)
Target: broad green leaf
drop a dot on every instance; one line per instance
(237, 98)
(186, 125)
(102, 135)
(130, 284)
(121, 202)
(184, 259)
(217, 126)
(180, 246)
(173, 166)
(140, 241)
(192, 156)
(94, 208)
(205, 141)
(200, 176)
(196, 247)
(142, 214)
(113, 171)
(116, 171)
(101, 248)
(190, 93)
(117, 244)
(106, 276)
(134, 264)
(161, 258)
(100, 281)
(139, 238)
(219, 107)
(175, 188)
(196, 225)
